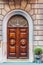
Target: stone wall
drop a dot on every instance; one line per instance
(33, 7)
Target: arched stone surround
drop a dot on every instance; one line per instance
(4, 36)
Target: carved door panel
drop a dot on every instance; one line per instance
(23, 51)
(11, 43)
(17, 42)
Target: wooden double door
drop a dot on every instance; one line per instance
(17, 42)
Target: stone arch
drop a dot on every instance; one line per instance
(4, 31)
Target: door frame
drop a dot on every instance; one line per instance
(4, 34)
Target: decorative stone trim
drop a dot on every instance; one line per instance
(4, 36)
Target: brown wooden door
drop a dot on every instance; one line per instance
(17, 42)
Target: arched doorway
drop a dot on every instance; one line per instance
(17, 37)
(28, 19)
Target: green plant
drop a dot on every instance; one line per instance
(38, 51)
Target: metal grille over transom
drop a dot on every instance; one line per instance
(17, 38)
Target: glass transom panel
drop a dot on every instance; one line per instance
(17, 21)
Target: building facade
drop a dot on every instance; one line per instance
(30, 11)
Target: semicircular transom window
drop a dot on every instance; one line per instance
(17, 21)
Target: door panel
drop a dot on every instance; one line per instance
(23, 49)
(23, 55)
(12, 35)
(12, 29)
(23, 35)
(12, 49)
(24, 42)
(11, 43)
(11, 55)
(23, 29)
(17, 44)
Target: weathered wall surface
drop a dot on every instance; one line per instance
(33, 7)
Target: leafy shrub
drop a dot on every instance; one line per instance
(38, 51)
